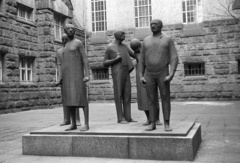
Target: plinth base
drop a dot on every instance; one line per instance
(109, 140)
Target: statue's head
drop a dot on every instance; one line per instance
(69, 29)
(64, 38)
(135, 44)
(156, 25)
(119, 35)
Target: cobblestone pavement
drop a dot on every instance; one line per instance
(220, 123)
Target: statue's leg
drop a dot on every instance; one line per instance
(117, 86)
(127, 97)
(151, 88)
(165, 99)
(158, 111)
(86, 118)
(66, 116)
(72, 111)
(147, 115)
(78, 117)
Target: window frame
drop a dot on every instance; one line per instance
(201, 71)
(104, 76)
(138, 23)
(26, 11)
(197, 10)
(26, 68)
(100, 13)
(59, 23)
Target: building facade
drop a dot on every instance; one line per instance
(205, 34)
(30, 34)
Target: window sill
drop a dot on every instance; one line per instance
(100, 82)
(29, 22)
(2, 83)
(27, 83)
(191, 78)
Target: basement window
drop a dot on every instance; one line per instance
(100, 74)
(194, 69)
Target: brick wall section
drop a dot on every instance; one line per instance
(21, 38)
(218, 48)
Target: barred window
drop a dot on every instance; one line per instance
(99, 15)
(194, 69)
(192, 11)
(26, 69)
(143, 13)
(1, 68)
(100, 74)
(59, 22)
(24, 12)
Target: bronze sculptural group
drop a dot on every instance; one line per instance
(154, 56)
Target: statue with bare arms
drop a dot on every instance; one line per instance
(158, 52)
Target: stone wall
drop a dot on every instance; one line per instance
(21, 38)
(217, 45)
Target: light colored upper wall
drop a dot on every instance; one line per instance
(169, 11)
(214, 9)
(120, 13)
(79, 11)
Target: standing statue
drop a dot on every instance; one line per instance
(59, 56)
(157, 54)
(75, 72)
(117, 56)
(142, 100)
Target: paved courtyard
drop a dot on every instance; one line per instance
(220, 123)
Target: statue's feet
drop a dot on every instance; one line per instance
(146, 123)
(151, 127)
(158, 123)
(167, 128)
(65, 123)
(84, 128)
(71, 128)
(123, 122)
(131, 120)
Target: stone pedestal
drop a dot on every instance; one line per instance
(109, 140)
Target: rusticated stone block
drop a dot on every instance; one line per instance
(221, 71)
(197, 95)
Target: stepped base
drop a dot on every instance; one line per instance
(109, 140)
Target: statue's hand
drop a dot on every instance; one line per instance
(143, 81)
(119, 56)
(59, 82)
(86, 79)
(168, 78)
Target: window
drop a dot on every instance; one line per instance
(143, 13)
(194, 69)
(100, 74)
(1, 68)
(192, 11)
(99, 15)
(24, 12)
(59, 22)
(26, 69)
